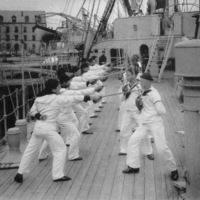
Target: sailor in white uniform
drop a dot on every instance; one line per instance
(152, 110)
(68, 122)
(48, 104)
(130, 118)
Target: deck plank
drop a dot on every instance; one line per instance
(99, 176)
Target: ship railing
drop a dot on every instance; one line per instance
(12, 106)
(9, 72)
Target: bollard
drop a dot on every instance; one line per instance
(22, 125)
(13, 155)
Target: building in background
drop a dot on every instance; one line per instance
(17, 31)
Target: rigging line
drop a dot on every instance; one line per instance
(193, 5)
(71, 7)
(96, 14)
(30, 77)
(66, 6)
(9, 93)
(88, 29)
(98, 6)
(89, 5)
(80, 8)
(67, 2)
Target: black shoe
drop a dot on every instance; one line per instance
(77, 159)
(42, 159)
(174, 175)
(97, 111)
(117, 130)
(130, 170)
(90, 124)
(95, 116)
(19, 178)
(67, 145)
(64, 178)
(150, 157)
(87, 132)
(121, 154)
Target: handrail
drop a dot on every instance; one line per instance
(18, 109)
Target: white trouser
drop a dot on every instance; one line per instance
(157, 129)
(44, 150)
(69, 130)
(83, 118)
(96, 106)
(120, 114)
(103, 92)
(57, 146)
(130, 120)
(91, 108)
(73, 140)
(71, 136)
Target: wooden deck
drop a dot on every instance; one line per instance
(99, 176)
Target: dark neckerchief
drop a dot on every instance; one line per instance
(146, 92)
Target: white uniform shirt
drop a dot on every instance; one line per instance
(50, 105)
(149, 114)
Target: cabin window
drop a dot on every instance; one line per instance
(25, 37)
(25, 29)
(33, 37)
(135, 27)
(117, 56)
(14, 19)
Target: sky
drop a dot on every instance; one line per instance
(65, 6)
(70, 7)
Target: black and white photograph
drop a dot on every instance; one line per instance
(100, 100)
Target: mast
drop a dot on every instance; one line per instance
(87, 41)
(23, 86)
(102, 25)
